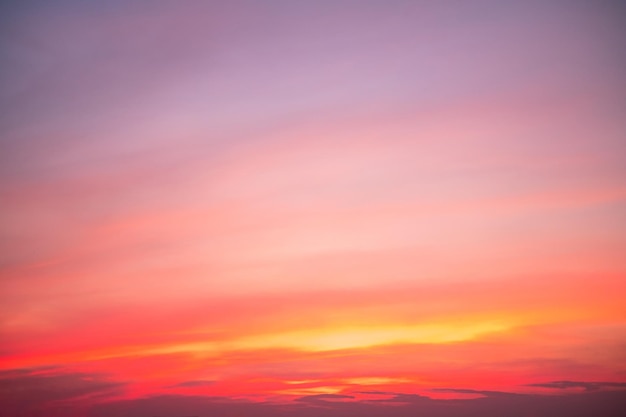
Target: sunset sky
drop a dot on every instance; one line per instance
(312, 208)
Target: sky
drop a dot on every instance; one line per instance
(312, 208)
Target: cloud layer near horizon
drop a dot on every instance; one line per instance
(43, 392)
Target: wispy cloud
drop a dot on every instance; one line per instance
(586, 385)
(193, 384)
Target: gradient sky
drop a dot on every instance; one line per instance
(303, 208)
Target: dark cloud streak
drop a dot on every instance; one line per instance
(35, 392)
(193, 384)
(586, 385)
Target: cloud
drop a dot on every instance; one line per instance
(586, 385)
(324, 399)
(41, 393)
(195, 383)
(601, 403)
(181, 405)
(397, 397)
(39, 389)
(479, 392)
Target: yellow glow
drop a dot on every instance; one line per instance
(362, 337)
(311, 391)
(302, 381)
(318, 340)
